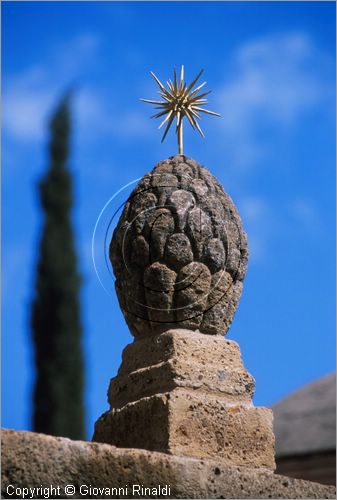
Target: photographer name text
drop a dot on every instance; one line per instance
(52, 491)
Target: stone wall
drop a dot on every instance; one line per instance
(38, 461)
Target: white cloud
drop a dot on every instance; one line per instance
(253, 208)
(77, 54)
(277, 79)
(28, 97)
(263, 221)
(304, 212)
(24, 113)
(13, 272)
(275, 82)
(96, 115)
(255, 213)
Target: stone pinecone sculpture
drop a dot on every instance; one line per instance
(179, 253)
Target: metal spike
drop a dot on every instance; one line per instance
(170, 85)
(166, 119)
(158, 115)
(197, 89)
(175, 79)
(150, 102)
(199, 129)
(179, 100)
(191, 85)
(197, 126)
(206, 111)
(164, 96)
(201, 101)
(181, 83)
(196, 97)
(157, 80)
(189, 118)
(168, 127)
(195, 113)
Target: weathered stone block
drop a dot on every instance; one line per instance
(186, 393)
(185, 422)
(181, 358)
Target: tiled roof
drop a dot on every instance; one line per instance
(305, 421)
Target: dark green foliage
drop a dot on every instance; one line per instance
(56, 326)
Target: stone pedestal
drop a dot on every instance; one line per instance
(186, 393)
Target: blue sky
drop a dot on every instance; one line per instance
(271, 68)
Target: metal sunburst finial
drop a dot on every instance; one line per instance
(179, 101)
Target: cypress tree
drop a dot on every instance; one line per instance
(56, 326)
